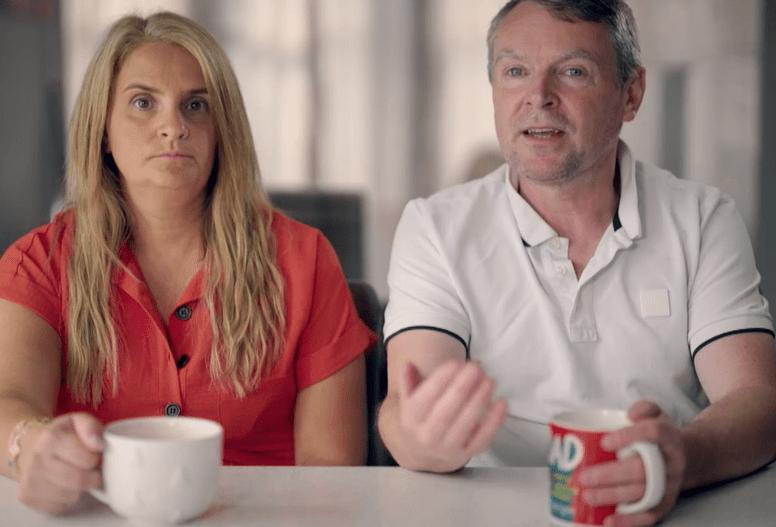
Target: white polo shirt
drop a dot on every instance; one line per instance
(674, 271)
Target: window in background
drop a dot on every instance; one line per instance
(700, 117)
(391, 99)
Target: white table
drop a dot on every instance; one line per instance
(388, 496)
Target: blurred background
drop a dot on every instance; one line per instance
(357, 106)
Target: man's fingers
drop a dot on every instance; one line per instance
(455, 398)
(630, 493)
(643, 409)
(640, 519)
(450, 411)
(474, 411)
(626, 472)
(652, 430)
(417, 403)
(484, 435)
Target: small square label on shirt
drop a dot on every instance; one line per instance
(654, 303)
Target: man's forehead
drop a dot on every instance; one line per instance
(530, 25)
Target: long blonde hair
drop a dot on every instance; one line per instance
(244, 287)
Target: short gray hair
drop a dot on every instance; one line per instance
(616, 14)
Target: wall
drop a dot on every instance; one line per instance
(410, 111)
(766, 242)
(31, 133)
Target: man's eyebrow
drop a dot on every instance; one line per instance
(574, 54)
(508, 54)
(578, 54)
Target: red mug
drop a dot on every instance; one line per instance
(576, 444)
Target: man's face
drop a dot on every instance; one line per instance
(558, 105)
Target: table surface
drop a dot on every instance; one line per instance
(382, 496)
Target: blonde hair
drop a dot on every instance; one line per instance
(243, 286)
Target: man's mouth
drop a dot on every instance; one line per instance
(543, 133)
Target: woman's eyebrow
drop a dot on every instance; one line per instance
(150, 89)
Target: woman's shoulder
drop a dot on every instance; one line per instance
(47, 241)
(300, 247)
(293, 235)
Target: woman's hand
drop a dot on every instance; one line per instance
(59, 462)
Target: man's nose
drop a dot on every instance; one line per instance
(543, 91)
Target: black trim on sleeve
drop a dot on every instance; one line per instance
(432, 328)
(729, 333)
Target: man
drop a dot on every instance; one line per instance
(576, 277)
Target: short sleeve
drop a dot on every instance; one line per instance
(422, 292)
(30, 274)
(333, 335)
(724, 294)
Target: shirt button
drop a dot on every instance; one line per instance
(555, 244)
(183, 312)
(182, 361)
(561, 270)
(172, 410)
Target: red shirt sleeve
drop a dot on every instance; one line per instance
(31, 271)
(321, 315)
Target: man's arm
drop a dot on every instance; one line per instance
(735, 434)
(438, 411)
(731, 437)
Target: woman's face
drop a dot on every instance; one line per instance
(160, 129)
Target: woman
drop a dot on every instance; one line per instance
(170, 286)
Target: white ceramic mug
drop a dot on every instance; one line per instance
(161, 469)
(575, 444)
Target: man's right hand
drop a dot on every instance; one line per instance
(59, 462)
(450, 414)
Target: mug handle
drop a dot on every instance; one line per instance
(655, 470)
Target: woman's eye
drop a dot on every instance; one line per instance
(197, 106)
(141, 103)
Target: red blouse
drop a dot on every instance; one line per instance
(163, 364)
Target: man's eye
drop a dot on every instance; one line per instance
(515, 72)
(574, 72)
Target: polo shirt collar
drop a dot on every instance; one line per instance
(628, 209)
(535, 231)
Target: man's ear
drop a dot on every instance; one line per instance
(634, 91)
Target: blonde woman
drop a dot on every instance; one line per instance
(170, 286)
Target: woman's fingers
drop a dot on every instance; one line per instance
(62, 464)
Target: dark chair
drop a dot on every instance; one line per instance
(338, 215)
(371, 312)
